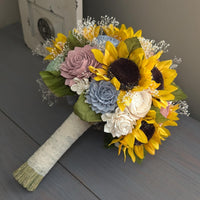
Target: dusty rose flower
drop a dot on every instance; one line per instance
(76, 64)
(165, 111)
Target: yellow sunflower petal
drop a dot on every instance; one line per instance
(138, 33)
(98, 55)
(119, 149)
(149, 147)
(108, 59)
(168, 97)
(169, 76)
(122, 50)
(130, 32)
(140, 136)
(166, 131)
(139, 150)
(137, 55)
(61, 38)
(99, 72)
(124, 150)
(170, 123)
(151, 114)
(131, 154)
(123, 27)
(116, 83)
(160, 103)
(163, 132)
(50, 49)
(114, 141)
(163, 65)
(96, 31)
(112, 50)
(154, 143)
(59, 47)
(157, 56)
(49, 57)
(128, 140)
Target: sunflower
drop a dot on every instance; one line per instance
(146, 135)
(127, 71)
(57, 47)
(91, 32)
(164, 76)
(121, 34)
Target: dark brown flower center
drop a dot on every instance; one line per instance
(126, 71)
(148, 129)
(158, 78)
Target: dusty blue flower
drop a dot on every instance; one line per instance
(104, 38)
(102, 96)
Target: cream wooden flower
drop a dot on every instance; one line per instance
(80, 85)
(118, 123)
(140, 104)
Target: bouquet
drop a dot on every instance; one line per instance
(120, 82)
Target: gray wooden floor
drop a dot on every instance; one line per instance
(87, 170)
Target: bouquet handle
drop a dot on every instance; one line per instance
(31, 173)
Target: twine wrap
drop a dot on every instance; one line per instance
(51, 151)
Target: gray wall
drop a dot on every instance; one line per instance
(175, 21)
(9, 12)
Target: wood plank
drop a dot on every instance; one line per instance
(15, 147)
(21, 100)
(173, 173)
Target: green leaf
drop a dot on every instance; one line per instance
(73, 41)
(179, 94)
(56, 83)
(138, 160)
(54, 65)
(159, 117)
(132, 44)
(84, 111)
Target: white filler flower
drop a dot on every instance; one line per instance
(80, 85)
(140, 104)
(118, 123)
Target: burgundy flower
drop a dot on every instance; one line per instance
(76, 64)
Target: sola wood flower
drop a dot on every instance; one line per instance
(102, 96)
(80, 85)
(140, 104)
(118, 123)
(76, 64)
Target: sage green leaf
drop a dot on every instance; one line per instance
(132, 44)
(54, 65)
(73, 41)
(84, 111)
(56, 83)
(138, 160)
(159, 117)
(179, 94)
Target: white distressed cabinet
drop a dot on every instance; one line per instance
(43, 19)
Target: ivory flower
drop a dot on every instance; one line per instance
(80, 85)
(118, 123)
(140, 104)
